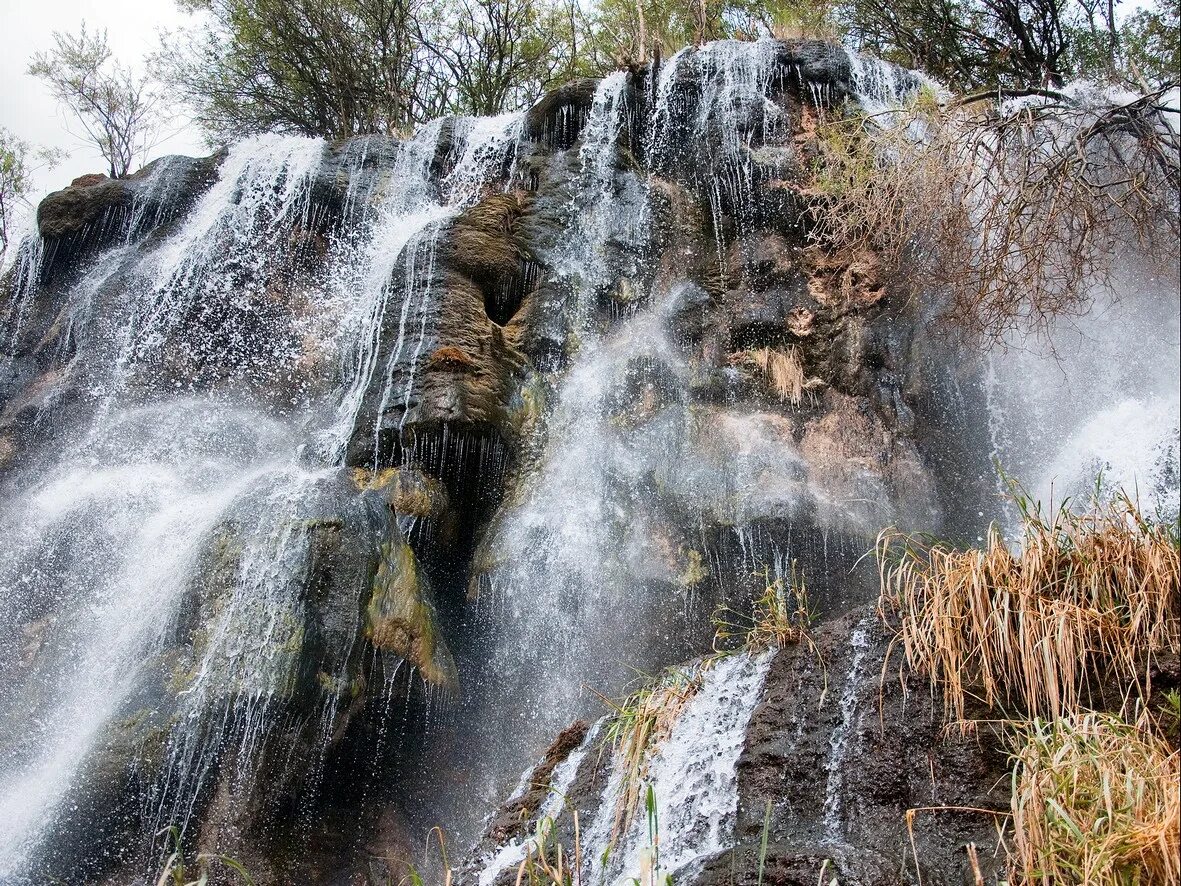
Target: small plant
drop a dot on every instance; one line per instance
(650, 872)
(1095, 801)
(1169, 716)
(763, 842)
(1088, 593)
(176, 872)
(780, 617)
(547, 862)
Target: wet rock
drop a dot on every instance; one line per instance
(833, 757)
(842, 765)
(399, 617)
(96, 209)
(765, 316)
(688, 313)
(556, 120)
(511, 820)
(407, 489)
(464, 369)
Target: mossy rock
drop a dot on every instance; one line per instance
(400, 619)
(408, 490)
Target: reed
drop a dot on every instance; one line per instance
(547, 862)
(644, 719)
(1095, 801)
(781, 370)
(1086, 595)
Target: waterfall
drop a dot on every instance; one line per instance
(339, 478)
(145, 511)
(112, 533)
(691, 776)
(839, 740)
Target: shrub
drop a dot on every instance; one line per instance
(1007, 212)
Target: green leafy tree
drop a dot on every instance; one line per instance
(1151, 44)
(334, 68)
(116, 107)
(498, 55)
(14, 183)
(628, 32)
(18, 162)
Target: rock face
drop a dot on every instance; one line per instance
(831, 759)
(386, 448)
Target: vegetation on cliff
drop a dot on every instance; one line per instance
(1009, 212)
(1066, 634)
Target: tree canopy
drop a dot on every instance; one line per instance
(338, 68)
(115, 106)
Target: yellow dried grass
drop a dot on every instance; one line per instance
(1095, 801)
(1096, 592)
(782, 371)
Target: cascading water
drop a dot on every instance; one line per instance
(108, 539)
(157, 479)
(1099, 403)
(692, 775)
(465, 426)
(839, 740)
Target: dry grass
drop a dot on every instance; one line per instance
(781, 370)
(1010, 213)
(645, 719)
(1087, 594)
(1095, 801)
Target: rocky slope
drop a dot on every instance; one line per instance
(337, 471)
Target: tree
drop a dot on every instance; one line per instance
(500, 55)
(14, 183)
(18, 162)
(973, 44)
(1019, 210)
(1150, 43)
(333, 68)
(116, 108)
(966, 43)
(627, 32)
(338, 68)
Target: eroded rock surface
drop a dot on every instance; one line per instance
(613, 309)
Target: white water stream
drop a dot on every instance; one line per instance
(113, 529)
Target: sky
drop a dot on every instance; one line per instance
(31, 113)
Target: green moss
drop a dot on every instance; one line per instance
(694, 571)
(399, 619)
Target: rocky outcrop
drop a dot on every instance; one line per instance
(846, 771)
(387, 426)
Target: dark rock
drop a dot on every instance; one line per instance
(556, 120)
(97, 208)
(511, 820)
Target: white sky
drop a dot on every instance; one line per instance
(27, 109)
